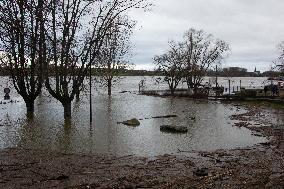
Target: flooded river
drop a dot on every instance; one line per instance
(212, 129)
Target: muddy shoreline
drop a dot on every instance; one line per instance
(259, 166)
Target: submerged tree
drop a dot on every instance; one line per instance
(76, 31)
(190, 59)
(202, 51)
(171, 65)
(115, 52)
(22, 40)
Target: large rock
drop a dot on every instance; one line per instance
(132, 122)
(174, 128)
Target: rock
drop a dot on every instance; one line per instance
(174, 128)
(62, 177)
(132, 122)
(201, 172)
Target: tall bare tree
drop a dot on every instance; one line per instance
(76, 32)
(202, 51)
(116, 52)
(190, 59)
(171, 65)
(22, 40)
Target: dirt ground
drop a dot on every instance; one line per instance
(260, 166)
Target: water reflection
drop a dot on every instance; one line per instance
(64, 137)
(209, 130)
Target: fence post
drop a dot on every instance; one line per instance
(229, 87)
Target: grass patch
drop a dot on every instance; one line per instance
(266, 104)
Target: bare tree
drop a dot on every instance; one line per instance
(22, 40)
(171, 65)
(190, 59)
(115, 53)
(76, 31)
(279, 63)
(201, 52)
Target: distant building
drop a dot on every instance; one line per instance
(256, 72)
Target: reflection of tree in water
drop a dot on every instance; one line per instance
(172, 106)
(109, 118)
(64, 136)
(76, 107)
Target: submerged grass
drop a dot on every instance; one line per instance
(266, 104)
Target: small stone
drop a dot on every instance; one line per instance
(62, 177)
(201, 172)
(132, 122)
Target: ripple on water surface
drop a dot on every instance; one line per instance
(210, 130)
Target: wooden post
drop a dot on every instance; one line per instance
(229, 87)
(216, 78)
(90, 80)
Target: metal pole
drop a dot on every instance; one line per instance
(229, 87)
(90, 81)
(216, 78)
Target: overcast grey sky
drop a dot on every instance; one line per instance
(253, 28)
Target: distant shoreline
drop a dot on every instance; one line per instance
(129, 72)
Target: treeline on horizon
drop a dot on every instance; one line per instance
(225, 72)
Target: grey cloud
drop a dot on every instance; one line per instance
(253, 28)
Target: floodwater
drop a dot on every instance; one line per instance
(212, 129)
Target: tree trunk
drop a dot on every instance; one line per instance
(195, 91)
(109, 87)
(78, 95)
(172, 91)
(67, 110)
(30, 106)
